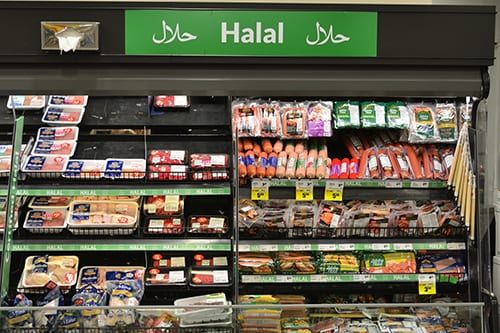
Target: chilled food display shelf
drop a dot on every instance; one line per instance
(128, 245)
(359, 193)
(345, 245)
(371, 183)
(56, 189)
(376, 232)
(349, 278)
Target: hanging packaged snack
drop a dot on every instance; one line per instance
(372, 115)
(423, 127)
(319, 119)
(270, 125)
(397, 115)
(347, 115)
(446, 120)
(294, 118)
(246, 117)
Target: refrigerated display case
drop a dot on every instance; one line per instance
(153, 194)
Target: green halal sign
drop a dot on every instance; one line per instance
(250, 33)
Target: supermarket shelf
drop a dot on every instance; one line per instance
(343, 278)
(361, 193)
(371, 183)
(350, 245)
(55, 189)
(123, 245)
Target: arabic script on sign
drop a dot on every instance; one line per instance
(170, 35)
(323, 36)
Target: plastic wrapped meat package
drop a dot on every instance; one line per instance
(58, 115)
(41, 270)
(165, 225)
(74, 100)
(208, 277)
(294, 118)
(208, 224)
(373, 115)
(209, 161)
(168, 172)
(389, 263)
(296, 263)
(443, 263)
(99, 276)
(347, 115)
(162, 276)
(423, 127)
(173, 101)
(213, 315)
(337, 263)
(270, 118)
(62, 148)
(247, 118)
(249, 214)
(256, 263)
(49, 202)
(164, 205)
(114, 216)
(26, 102)
(45, 166)
(331, 217)
(167, 157)
(319, 119)
(446, 121)
(85, 169)
(69, 133)
(125, 168)
(48, 220)
(301, 214)
(397, 115)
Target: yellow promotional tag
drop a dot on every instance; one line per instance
(426, 284)
(304, 190)
(260, 190)
(334, 190)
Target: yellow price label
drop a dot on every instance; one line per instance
(334, 190)
(304, 190)
(426, 284)
(260, 190)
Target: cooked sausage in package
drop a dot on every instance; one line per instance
(246, 118)
(423, 126)
(294, 116)
(270, 125)
(446, 119)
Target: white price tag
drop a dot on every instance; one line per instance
(419, 184)
(171, 203)
(269, 247)
(393, 184)
(220, 261)
(347, 247)
(403, 247)
(302, 247)
(284, 278)
(327, 247)
(251, 278)
(381, 247)
(244, 248)
(216, 222)
(178, 262)
(456, 246)
(318, 278)
(176, 277)
(221, 277)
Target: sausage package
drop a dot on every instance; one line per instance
(246, 118)
(270, 119)
(347, 115)
(319, 119)
(294, 117)
(372, 115)
(446, 120)
(423, 126)
(397, 115)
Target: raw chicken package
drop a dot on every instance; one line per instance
(57, 115)
(39, 166)
(46, 221)
(69, 133)
(26, 102)
(62, 148)
(49, 271)
(62, 100)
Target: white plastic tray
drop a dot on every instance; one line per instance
(71, 145)
(221, 319)
(45, 173)
(26, 107)
(109, 269)
(33, 205)
(51, 102)
(58, 133)
(77, 111)
(131, 168)
(85, 169)
(29, 261)
(191, 315)
(46, 229)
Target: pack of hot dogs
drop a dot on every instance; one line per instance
(376, 157)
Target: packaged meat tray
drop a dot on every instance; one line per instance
(39, 166)
(69, 133)
(46, 221)
(4, 167)
(6, 151)
(190, 314)
(49, 202)
(389, 263)
(176, 101)
(205, 224)
(98, 276)
(206, 277)
(103, 217)
(119, 198)
(167, 172)
(168, 157)
(46, 271)
(62, 148)
(210, 175)
(172, 226)
(441, 263)
(205, 261)
(68, 100)
(160, 260)
(166, 277)
(164, 205)
(256, 263)
(125, 168)
(26, 102)
(209, 161)
(57, 115)
(296, 263)
(85, 169)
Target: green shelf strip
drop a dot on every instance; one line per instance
(339, 278)
(171, 245)
(3, 192)
(125, 191)
(246, 246)
(369, 183)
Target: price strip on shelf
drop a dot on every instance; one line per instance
(426, 284)
(334, 190)
(304, 190)
(260, 189)
(393, 184)
(419, 184)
